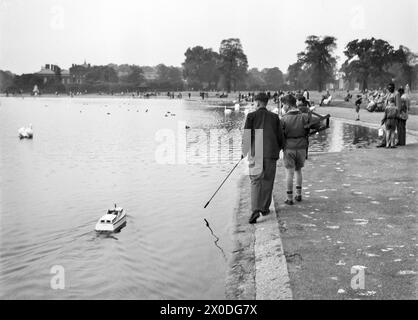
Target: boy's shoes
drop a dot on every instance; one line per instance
(298, 198)
(254, 217)
(381, 146)
(393, 147)
(289, 202)
(265, 213)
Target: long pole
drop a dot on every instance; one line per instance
(222, 183)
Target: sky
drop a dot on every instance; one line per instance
(148, 32)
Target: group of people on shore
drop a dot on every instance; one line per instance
(376, 99)
(265, 135)
(397, 106)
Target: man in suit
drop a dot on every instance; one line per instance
(262, 142)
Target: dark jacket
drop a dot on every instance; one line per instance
(272, 133)
(294, 131)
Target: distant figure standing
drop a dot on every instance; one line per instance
(306, 94)
(348, 96)
(403, 116)
(358, 104)
(295, 146)
(391, 94)
(390, 121)
(190, 95)
(407, 89)
(302, 104)
(262, 130)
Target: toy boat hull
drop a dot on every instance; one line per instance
(106, 225)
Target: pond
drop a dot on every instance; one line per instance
(89, 153)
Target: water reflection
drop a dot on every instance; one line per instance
(336, 137)
(216, 239)
(343, 136)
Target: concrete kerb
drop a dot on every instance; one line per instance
(271, 278)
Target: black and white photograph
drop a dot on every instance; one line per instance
(211, 150)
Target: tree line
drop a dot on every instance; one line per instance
(370, 62)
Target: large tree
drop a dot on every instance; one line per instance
(273, 78)
(101, 74)
(169, 77)
(296, 76)
(318, 60)
(200, 67)
(404, 70)
(255, 80)
(134, 76)
(233, 62)
(6, 80)
(368, 60)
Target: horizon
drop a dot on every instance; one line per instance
(64, 33)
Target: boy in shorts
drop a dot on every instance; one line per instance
(390, 121)
(295, 146)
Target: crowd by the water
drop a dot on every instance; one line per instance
(395, 105)
(288, 129)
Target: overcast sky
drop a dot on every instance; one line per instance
(149, 32)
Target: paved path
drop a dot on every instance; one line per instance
(359, 209)
(358, 213)
(258, 268)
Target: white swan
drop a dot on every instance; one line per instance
(227, 111)
(26, 133)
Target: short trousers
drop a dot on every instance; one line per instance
(294, 158)
(390, 124)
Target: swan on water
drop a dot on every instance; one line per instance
(26, 132)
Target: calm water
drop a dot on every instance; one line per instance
(55, 187)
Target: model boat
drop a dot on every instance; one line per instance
(112, 221)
